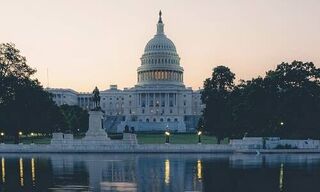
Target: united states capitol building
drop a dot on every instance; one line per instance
(158, 101)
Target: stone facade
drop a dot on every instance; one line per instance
(158, 100)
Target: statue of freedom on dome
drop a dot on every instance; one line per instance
(96, 99)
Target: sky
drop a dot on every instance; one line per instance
(81, 44)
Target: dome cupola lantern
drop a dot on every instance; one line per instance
(160, 25)
(160, 63)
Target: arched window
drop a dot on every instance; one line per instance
(168, 120)
(147, 120)
(161, 120)
(154, 120)
(176, 120)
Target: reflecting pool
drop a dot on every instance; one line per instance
(160, 172)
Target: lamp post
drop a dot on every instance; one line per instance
(20, 134)
(199, 137)
(167, 133)
(31, 137)
(2, 137)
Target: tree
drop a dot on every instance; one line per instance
(24, 105)
(285, 103)
(215, 96)
(13, 69)
(298, 88)
(76, 118)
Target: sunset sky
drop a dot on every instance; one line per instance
(84, 43)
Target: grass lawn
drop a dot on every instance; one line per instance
(143, 138)
(176, 139)
(28, 140)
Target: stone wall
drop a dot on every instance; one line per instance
(115, 147)
(273, 143)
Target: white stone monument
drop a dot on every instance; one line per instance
(95, 133)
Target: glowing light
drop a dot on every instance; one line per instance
(33, 173)
(2, 133)
(167, 171)
(281, 178)
(20, 133)
(167, 133)
(199, 169)
(199, 132)
(3, 170)
(21, 172)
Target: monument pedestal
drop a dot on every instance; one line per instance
(95, 132)
(129, 138)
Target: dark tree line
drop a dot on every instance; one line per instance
(285, 103)
(76, 119)
(24, 105)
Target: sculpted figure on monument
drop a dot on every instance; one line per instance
(96, 99)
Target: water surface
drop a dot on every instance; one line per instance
(159, 172)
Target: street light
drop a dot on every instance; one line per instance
(167, 133)
(20, 133)
(199, 137)
(281, 123)
(2, 137)
(31, 138)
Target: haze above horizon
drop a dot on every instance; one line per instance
(84, 44)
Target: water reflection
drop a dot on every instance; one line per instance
(281, 178)
(33, 173)
(199, 169)
(159, 172)
(21, 172)
(3, 170)
(167, 171)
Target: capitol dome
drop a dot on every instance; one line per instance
(160, 63)
(160, 42)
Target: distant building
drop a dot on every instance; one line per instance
(158, 101)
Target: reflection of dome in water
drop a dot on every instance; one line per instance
(160, 63)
